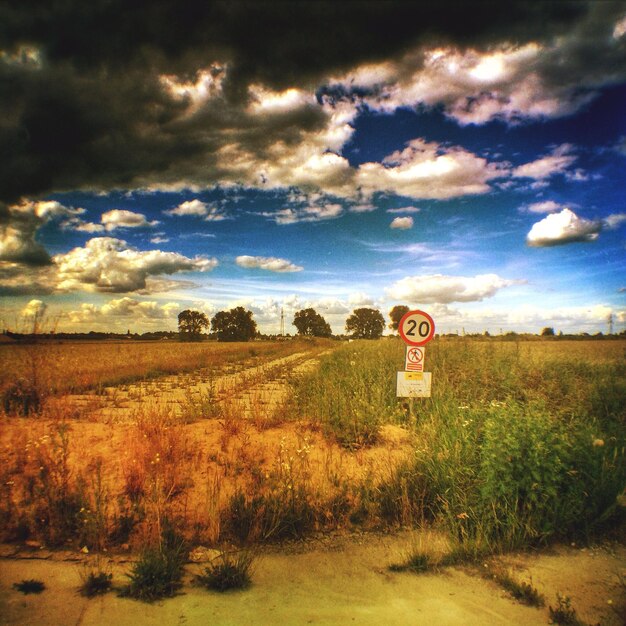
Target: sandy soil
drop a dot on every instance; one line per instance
(339, 581)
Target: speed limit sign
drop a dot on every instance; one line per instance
(416, 328)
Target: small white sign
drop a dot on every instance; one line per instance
(413, 384)
(414, 361)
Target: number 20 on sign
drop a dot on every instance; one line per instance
(416, 328)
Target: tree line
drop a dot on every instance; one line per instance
(238, 324)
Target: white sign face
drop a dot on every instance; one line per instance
(416, 328)
(413, 384)
(414, 361)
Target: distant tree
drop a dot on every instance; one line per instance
(191, 324)
(396, 314)
(311, 324)
(234, 325)
(365, 324)
(547, 332)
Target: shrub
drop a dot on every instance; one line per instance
(158, 572)
(95, 580)
(21, 398)
(228, 571)
(564, 614)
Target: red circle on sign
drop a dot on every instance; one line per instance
(415, 355)
(416, 328)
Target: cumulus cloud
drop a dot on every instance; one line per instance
(34, 309)
(218, 103)
(271, 264)
(533, 78)
(121, 218)
(402, 223)
(437, 288)
(197, 208)
(118, 314)
(428, 170)
(360, 299)
(563, 228)
(106, 264)
(18, 227)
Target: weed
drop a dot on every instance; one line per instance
(522, 591)
(21, 398)
(29, 586)
(200, 405)
(418, 562)
(95, 580)
(564, 613)
(228, 571)
(159, 570)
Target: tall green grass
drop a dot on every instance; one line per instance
(514, 447)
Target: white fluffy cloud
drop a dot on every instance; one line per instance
(34, 309)
(197, 208)
(121, 218)
(428, 170)
(437, 288)
(271, 264)
(508, 82)
(106, 264)
(117, 315)
(562, 228)
(402, 223)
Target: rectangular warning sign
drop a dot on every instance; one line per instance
(413, 384)
(414, 359)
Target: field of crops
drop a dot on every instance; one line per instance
(521, 443)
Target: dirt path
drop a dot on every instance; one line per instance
(344, 582)
(248, 389)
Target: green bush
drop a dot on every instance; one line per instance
(228, 571)
(159, 570)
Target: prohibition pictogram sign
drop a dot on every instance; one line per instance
(415, 355)
(415, 358)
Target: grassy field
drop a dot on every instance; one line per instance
(520, 443)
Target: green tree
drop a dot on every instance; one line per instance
(311, 324)
(547, 332)
(365, 324)
(396, 314)
(191, 324)
(234, 325)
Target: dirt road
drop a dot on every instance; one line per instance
(341, 582)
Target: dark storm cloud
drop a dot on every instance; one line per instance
(90, 110)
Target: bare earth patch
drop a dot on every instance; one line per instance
(339, 581)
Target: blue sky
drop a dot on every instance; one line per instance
(478, 176)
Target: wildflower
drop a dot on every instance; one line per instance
(462, 516)
(597, 443)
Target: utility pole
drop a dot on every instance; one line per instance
(282, 322)
(610, 319)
